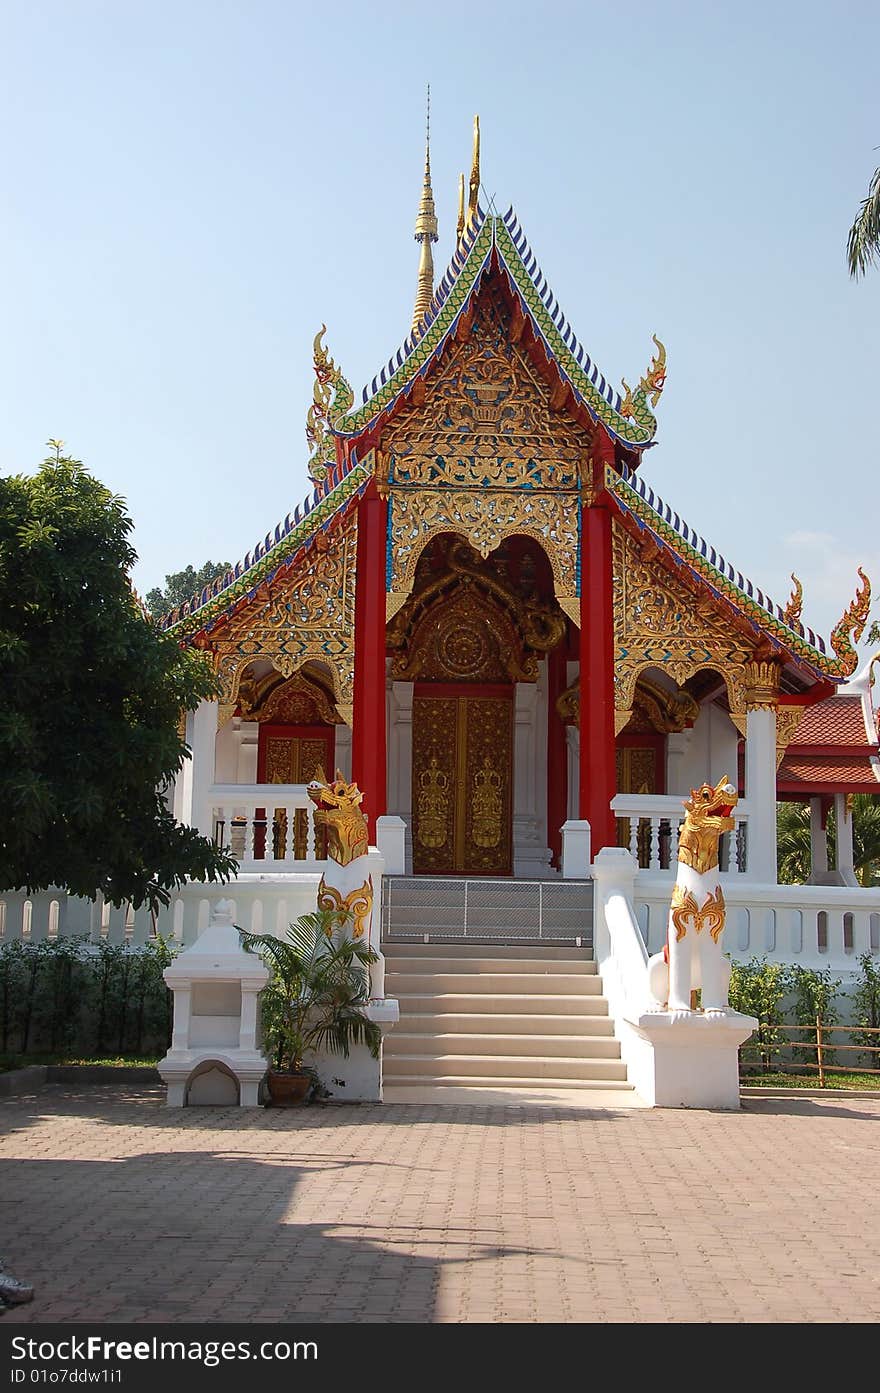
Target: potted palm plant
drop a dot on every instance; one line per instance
(315, 999)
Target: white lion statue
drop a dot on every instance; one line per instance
(693, 958)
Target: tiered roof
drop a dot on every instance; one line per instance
(500, 243)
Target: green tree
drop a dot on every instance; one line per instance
(757, 988)
(863, 243)
(182, 585)
(793, 840)
(92, 697)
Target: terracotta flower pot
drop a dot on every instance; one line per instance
(286, 1090)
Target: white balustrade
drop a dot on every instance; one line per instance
(266, 826)
(814, 925)
(650, 825)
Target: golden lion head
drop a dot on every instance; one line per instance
(336, 794)
(706, 801)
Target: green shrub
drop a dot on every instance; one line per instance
(757, 988)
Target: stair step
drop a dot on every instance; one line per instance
(553, 984)
(447, 1043)
(498, 1023)
(492, 963)
(507, 1082)
(430, 1066)
(461, 949)
(510, 1003)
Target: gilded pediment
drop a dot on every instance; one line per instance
(486, 418)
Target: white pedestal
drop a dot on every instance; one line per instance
(688, 1062)
(214, 1054)
(358, 1079)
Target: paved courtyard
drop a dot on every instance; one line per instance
(118, 1209)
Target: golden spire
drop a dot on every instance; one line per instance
(459, 229)
(426, 233)
(474, 189)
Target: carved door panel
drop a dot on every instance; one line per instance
(462, 785)
(287, 758)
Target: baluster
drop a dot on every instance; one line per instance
(654, 854)
(250, 817)
(634, 837)
(312, 833)
(288, 851)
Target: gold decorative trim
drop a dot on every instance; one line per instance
(346, 711)
(307, 616)
(686, 914)
(788, 718)
(762, 684)
(570, 605)
(660, 622)
(357, 903)
(394, 601)
(621, 719)
(740, 721)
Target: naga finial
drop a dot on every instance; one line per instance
(635, 403)
(852, 622)
(332, 396)
(792, 612)
(654, 380)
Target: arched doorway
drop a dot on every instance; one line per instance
(471, 631)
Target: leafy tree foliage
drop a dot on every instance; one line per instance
(793, 840)
(92, 697)
(863, 243)
(182, 585)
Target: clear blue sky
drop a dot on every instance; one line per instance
(192, 188)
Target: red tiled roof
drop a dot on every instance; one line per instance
(839, 770)
(836, 721)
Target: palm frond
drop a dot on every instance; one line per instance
(863, 243)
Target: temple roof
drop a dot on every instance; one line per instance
(835, 747)
(326, 505)
(637, 500)
(501, 241)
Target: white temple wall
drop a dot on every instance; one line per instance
(703, 753)
(236, 752)
(531, 855)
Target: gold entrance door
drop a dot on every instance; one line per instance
(461, 791)
(293, 758)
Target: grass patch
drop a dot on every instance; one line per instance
(832, 1081)
(22, 1061)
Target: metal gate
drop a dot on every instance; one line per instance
(426, 909)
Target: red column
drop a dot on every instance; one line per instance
(598, 775)
(368, 755)
(557, 754)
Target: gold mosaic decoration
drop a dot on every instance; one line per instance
(485, 520)
(659, 622)
(469, 622)
(300, 618)
(486, 451)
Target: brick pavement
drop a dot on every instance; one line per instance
(121, 1210)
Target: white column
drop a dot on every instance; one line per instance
(342, 756)
(761, 794)
(844, 828)
(248, 748)
(183, 783)
(400, 750)
(677, 745)
(203, 753)
(818, 844)
(531, 855)
(573, 757)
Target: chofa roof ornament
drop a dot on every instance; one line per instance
(634, 405)
(852, 622)
(332, 398)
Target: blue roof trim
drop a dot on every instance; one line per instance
(715, 559)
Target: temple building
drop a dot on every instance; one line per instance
(484, 615)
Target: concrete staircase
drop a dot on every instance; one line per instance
(498, 1016)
